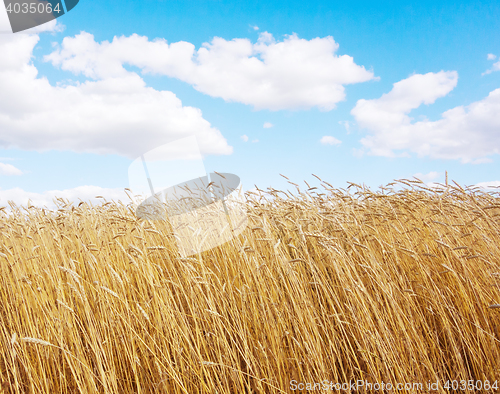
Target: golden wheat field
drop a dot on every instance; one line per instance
(324, 289)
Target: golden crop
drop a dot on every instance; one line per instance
(387, 286)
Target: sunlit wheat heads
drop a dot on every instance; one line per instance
(395, 285)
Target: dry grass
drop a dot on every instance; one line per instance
(388, 286)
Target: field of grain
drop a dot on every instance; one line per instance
(394, 285)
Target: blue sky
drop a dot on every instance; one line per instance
(365, 92)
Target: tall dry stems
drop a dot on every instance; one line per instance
(397, 285)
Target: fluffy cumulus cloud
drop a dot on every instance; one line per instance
(291, 74)
(91, 194)
(9, 169)
(117, 113)
(244, 137)
(467, 133)
(329, 140)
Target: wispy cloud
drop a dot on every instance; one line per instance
(81, 193)
(492, 185)
(244, 137)
(254, 141)
(494, 67)
(255, 27)
(346, 124)
(9, 169)
(329, 140)
(429, 177)
(268, 125)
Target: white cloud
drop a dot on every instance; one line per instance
(408, 94)
(491, 56)
(292, 74)
(495, 67)
(329, 140)
(493, 185)
(268, 125)
(469, 133)
(4, 21)
(54, 26)
(358, 153)
(254, 141)
(9, 169)
(115, 114)
(255, 27)
(429, 177)
(244, 137)
(346, 124)
(81, 193)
